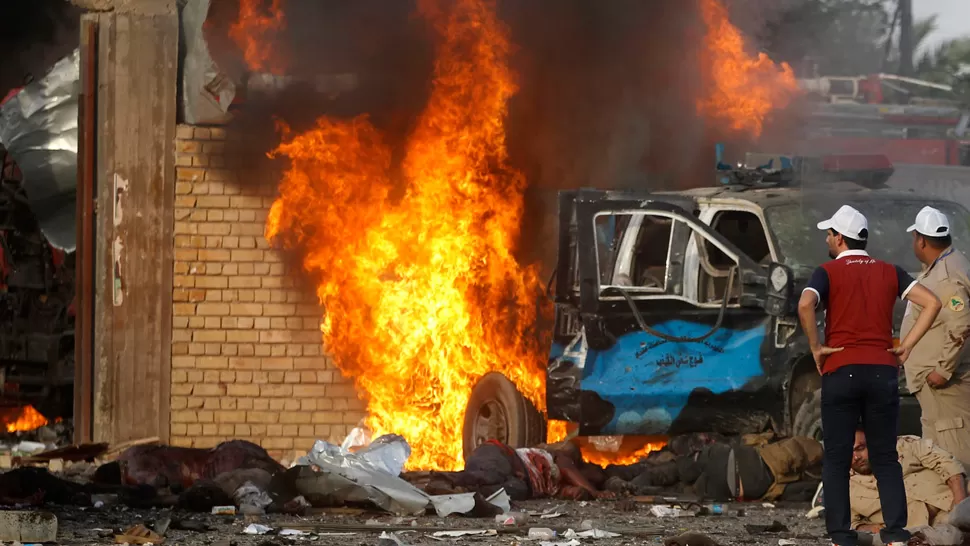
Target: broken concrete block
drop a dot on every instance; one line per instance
(28, 526)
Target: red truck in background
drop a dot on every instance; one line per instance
(908, 120)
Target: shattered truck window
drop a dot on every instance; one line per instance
(609, 233)
(802, 244)
(632, 251)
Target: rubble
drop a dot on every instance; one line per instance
(31, 526)
(236, 490)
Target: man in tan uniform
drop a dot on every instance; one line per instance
(935, 482)
(938, 370)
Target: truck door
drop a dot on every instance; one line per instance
(658, 361)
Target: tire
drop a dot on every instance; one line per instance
(497, 411)
(808, 418)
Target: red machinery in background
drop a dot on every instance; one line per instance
(905, 119)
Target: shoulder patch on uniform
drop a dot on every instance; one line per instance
(956, 303)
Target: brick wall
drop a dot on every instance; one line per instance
(247, 359)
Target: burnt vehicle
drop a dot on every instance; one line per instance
(36, 311)
(675, 312)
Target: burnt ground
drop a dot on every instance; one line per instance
(633, 521)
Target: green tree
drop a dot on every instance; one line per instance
(948, 63)
(840, 37)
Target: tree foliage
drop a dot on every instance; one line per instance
(855, 37)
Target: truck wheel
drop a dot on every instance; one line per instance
(497, 411)
(808, 418)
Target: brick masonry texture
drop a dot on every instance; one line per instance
(247, 353)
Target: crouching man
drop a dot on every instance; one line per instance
(934, 480)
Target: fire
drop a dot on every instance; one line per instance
(29, 419)
(422, 292)
(744, 90)
(622, 457)
(255, 29)
(556, 431)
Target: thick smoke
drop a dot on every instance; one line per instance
(607, 97)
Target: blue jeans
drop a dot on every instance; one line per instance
(869, 393)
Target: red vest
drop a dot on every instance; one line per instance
(859, 317)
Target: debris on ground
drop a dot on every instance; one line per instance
(139, 534)
(690, 539)
(773, 527)
(23, 526)
(236, 493)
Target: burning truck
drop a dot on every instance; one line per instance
(675, 311)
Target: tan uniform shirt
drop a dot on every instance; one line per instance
(926, 468)
(942, 348)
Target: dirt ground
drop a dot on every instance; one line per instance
(634, 521)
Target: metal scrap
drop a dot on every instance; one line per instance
(38, 127)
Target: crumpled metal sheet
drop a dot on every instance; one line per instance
(387, 453)
(206, 90)
(39, 129)
(371, 475)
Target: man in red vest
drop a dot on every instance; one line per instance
(860, 367)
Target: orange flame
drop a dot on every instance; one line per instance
(743, 90)
(254, 33)
(422, 292)
(29, 419)
(621, 457)
(556, 431)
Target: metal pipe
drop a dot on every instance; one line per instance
(84, 319)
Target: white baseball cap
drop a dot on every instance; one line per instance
(848, 222)
(931, 222)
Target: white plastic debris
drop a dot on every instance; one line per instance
(592, 533)
(359, 437)
(389, 539)
(257, 529)
(663, 511)
(815, 512)
(467, 533)
(767, 505)
(29, 447)
(293, 533)
(501, 500)
(541, 533)
(572, 542)
(550, 513)
(786, 542)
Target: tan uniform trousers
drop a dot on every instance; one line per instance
(946, 416)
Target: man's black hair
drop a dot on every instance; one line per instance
(939, 243)
(854, 244)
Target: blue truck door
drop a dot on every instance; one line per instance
(658, 362)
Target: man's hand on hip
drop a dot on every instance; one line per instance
(902, 353)
(820, 352)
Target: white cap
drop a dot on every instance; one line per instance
(848, 222)
(931, 222)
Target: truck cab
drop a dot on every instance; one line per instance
(675, 312)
